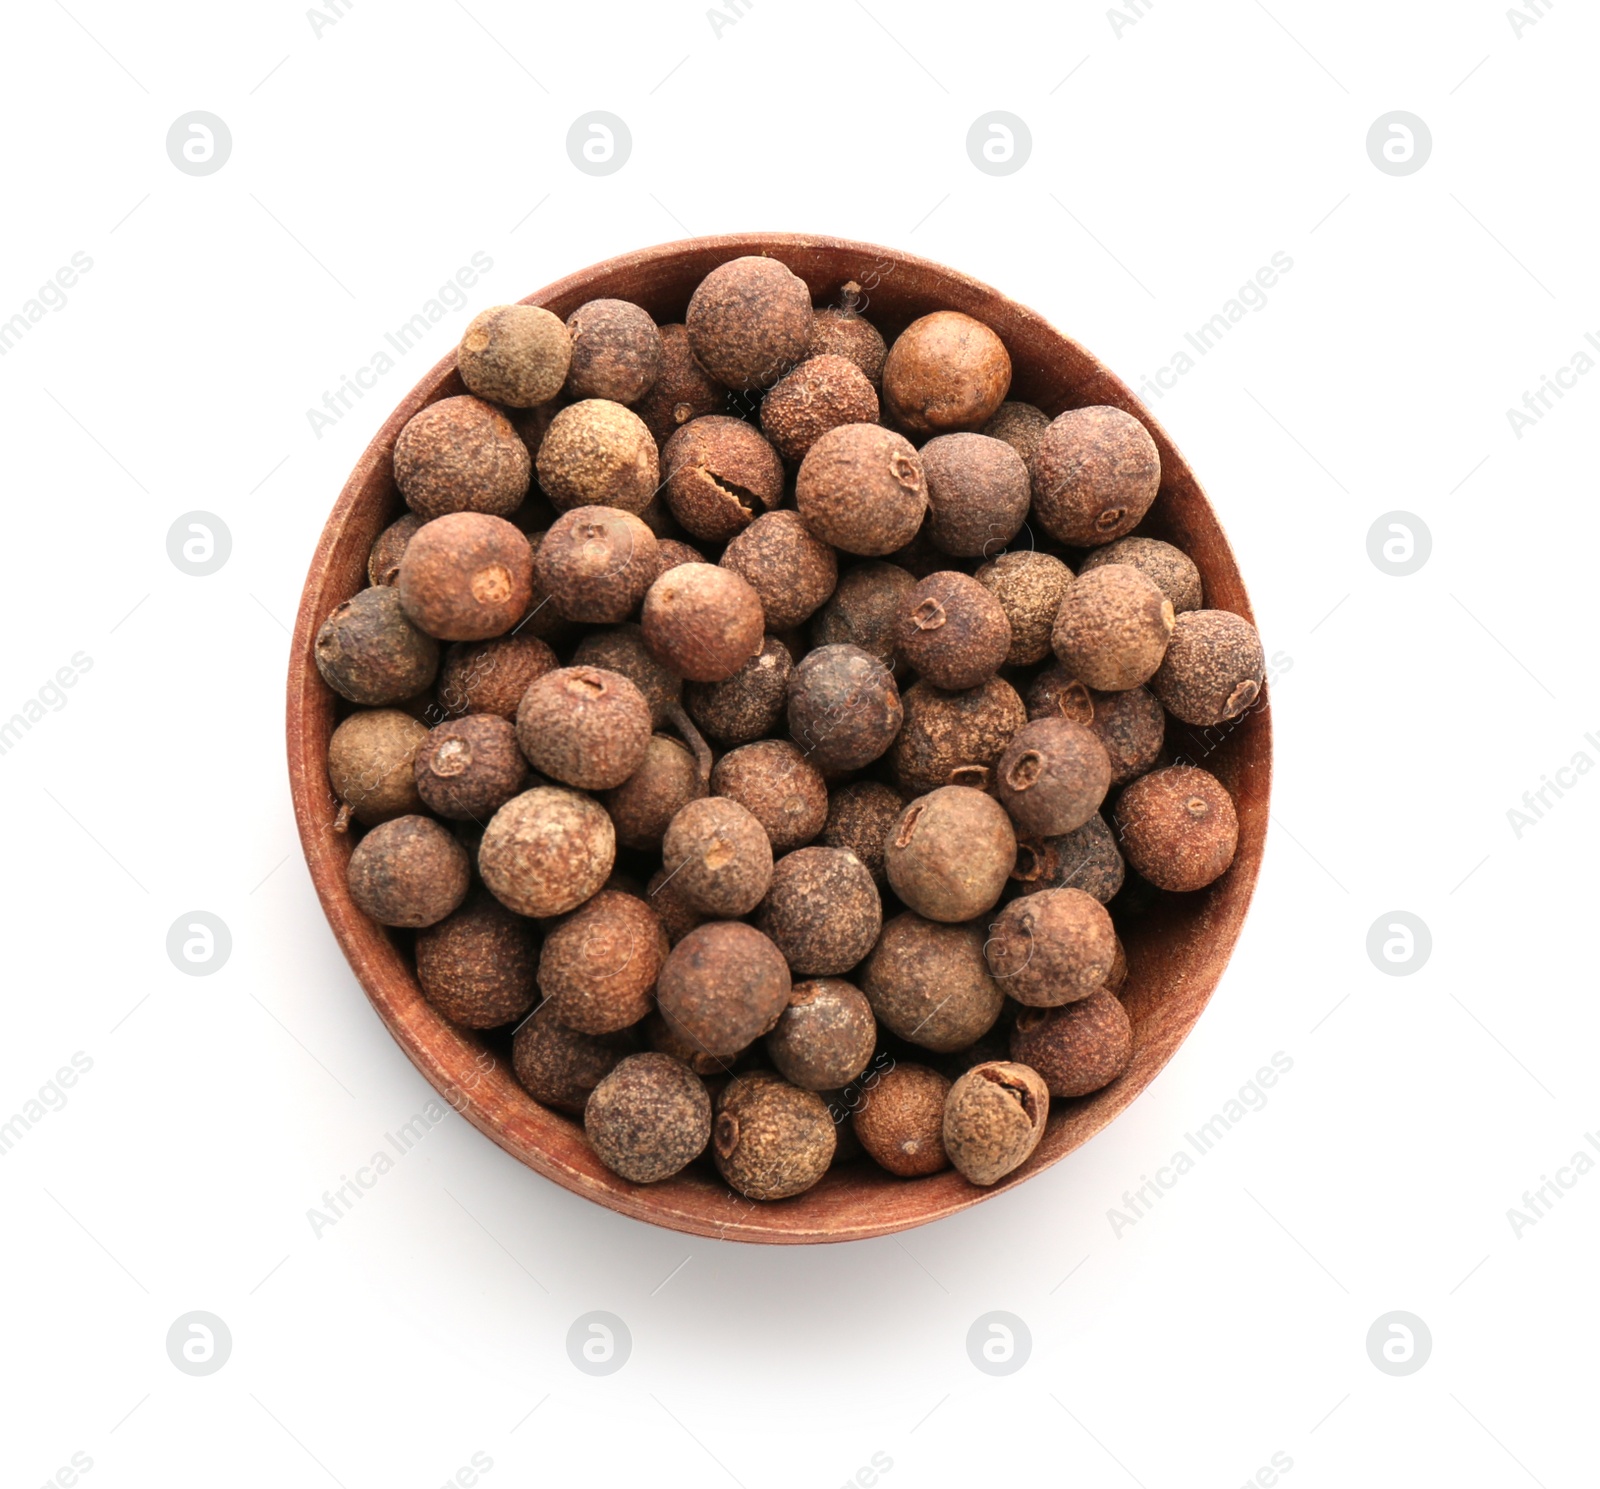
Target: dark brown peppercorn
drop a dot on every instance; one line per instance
(723, 986)
(929, 983)
(977, 493)
(1020, 425)
(864, 609)
(1051, 948)
(471, 767)
(408, 871)
(383, 560)
(791, 571)
(622, 649)
(749, 321)
(662, 1037)
(860, 817)
(818, 395)
(994, 1117)
(823, 913)
(844, 708)
(1095, 474)
(949, 855)
(1213, 670)
(953, 632)
(543, 620)
(670, 553)
(1178, 827)
(461, 455)
(559, 1066)
(649, 1118)
(1056, 693)
(719, 475)
(717, 857)
(684, 391)
(466, 577)
(616, 351)
(514, 354)
(1169, 568)
(954, 739)
(369, 765)
(1030, 587)
(900, 1121)
(490, 677)
(747, 705)
(1112, 629)
(779, 787)
(945, 371)
(597, 453)
(1087, 859)
(584, 726)
(1077, 1049)
(825, 1037)
(369, 651)
(596, 563)
(702, 621)
(862, 489)
(665, 896)
(476, 966)
(1053, 776)
(844, 333)
(546, 851)
(644, 804)
(771, 1140)
(1132, 726)
(599, 966)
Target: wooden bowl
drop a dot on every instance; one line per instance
(1177, 945)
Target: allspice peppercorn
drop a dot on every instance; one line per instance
(622, 649)
(929, 983)
(822, 912)
(584, 726)
(1076, 1049)
(1132, 726)
(461, 455)
(954, 739)
(719, 474)
(1020, 425)
(369, 766)
(383, 559)
(664, 894)
(749, 321)
(843, 707)
(369, 651)
(723, 986)
(1087, 859)
(408, 871)
(1213, 670)
(559, 1066)
(949, 855)
(598, 967)
(945, 371)
(1053, 776)
(1112, 629)
(825, 1036)
(649, 1118)
(514, 354)
(663, 1038)
(843, 332)
(543, 619)
(702, 621)
(616, 351)
(864, 609)
(644, 805)
(596, 564)
(466, 577)
(862, 489)
(546, 851)
(748, 705)
(1178, 827)
(977, 493)
(900, 1121)
(1051, 948)
(1030, 587)
(682, 392)
(1169, 568)
(490, 677)
(717, 857)
(596, 453)
(670, 552)
(953, 631)
(1095, 474)
(771, 1140)
(476, 965)
(818, 395)
(791, 571)
(779, 787)
(471, 767)
(860, 817)
(994, 1117)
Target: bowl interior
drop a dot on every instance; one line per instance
(1177, 945)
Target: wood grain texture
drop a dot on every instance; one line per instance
(1177, 946)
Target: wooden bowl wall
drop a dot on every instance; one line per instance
(1177, 946)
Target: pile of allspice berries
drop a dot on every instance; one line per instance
(755, 720)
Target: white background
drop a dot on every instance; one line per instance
(369, 162)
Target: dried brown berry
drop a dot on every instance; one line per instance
(929, 983)
(723, 986)
(408, 871)
(823, 913)
(900, 1121)
(747, 705)
(369, 651)
(662, 1037)
(543, 619)
(1087, 859)
(953, 631)
(461, 455)
(1053, 776)
(598, 967)
(1095, 474)
(466, 577)
(779, 787)
(1169, 568)
(649, 1118)
(476, 965)
(864, 609)
(684, 390)
(860, 817)
(1056, 693)
(845, 333)
(950, 854)
(954, 739)
(844, 708)
(820, 394)
(945, 371)
(490, 677)
(1051, 948)
(977, 493)
(665, 896)
(1077, 1049)
(559, 1066)
(1030, 587)
(702, 621)
(383, 560)
(644, 804)
(597, 453)
(717, 857)
(622, 649)
(719, 474)
(771, 1140)
(546, 851)
(596, 563)
(790, 570)
(862, 489)
(749, 321)
(514, 354)
(1020, 425)
(994, 1117)
(1112, 629)
(1178, 827)
(584, 726)
(616, 351)
(471, 767)
(1132, 726)
(1213, 670)
(369, 765)
(670, 552)
(825, 1036)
